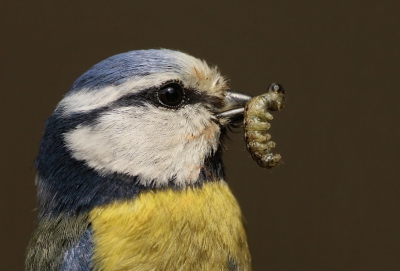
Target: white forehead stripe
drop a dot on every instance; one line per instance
(86, 100)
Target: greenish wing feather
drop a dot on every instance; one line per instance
(51, 240)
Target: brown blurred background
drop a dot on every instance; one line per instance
(333, 205)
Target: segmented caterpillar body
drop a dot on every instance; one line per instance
(256, 117)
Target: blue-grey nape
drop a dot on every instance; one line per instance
(66, 185)
(117, 69)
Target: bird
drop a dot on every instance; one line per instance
(130, 173)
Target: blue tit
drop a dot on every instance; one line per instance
(129, 170)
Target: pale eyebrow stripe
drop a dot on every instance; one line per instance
(86, 100)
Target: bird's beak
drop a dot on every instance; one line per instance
(232, 110)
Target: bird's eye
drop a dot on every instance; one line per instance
(171, 95)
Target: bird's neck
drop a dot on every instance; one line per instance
(68, 186)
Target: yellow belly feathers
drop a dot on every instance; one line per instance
(191, 229)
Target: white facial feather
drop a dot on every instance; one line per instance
(155, 144)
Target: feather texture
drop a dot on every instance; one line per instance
(126, 182)
(198, 229)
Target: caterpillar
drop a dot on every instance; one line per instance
(256, 125)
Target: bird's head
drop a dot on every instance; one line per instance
(151, 118)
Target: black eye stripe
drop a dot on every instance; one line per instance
(150, 96)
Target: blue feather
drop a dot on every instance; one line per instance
(119, 68)
(78, 257)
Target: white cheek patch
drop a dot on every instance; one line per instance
(155, 144)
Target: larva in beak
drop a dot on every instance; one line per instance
(256, 125)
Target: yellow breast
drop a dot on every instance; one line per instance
(193, 229)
